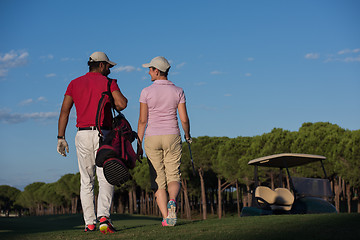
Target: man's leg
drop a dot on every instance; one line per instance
(86, 160)
(106, 192)
(105, 197)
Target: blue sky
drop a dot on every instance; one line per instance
(246, 67)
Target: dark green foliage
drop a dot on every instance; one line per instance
(8, 196)
(348, 158)
(141, 175)
(217, 157)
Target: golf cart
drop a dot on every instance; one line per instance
(306, 195)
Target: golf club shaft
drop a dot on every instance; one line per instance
(191, 157)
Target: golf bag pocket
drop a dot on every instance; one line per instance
(115, 171)
(105, 152)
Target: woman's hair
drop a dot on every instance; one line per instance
(163, 74)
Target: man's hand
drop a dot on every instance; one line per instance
(62, 145)
(188, 140)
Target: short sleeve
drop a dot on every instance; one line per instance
(114, 86)
(182, 97)
(69, 89)
(143, 96)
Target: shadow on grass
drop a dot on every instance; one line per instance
(277, 227)
(42, 224)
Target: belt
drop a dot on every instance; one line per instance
(93, 128)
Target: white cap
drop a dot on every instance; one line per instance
(100, 57)
(158, 62)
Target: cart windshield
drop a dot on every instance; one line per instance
(312, 187)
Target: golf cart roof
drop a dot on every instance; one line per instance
(284, 160)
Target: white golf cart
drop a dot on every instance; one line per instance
(303, 196)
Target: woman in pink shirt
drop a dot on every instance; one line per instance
(159, 104)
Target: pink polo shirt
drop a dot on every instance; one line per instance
(162, 99)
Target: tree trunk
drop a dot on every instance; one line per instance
(212, 202)
(237, 198)
(224, 203)
(337, 188)
(248, 194)
(76, 203)
(272, 180)
(155, 207)
(186, 198)
(51, 209)
(135, 200)
(112, 207)
(348, 197)
(147, 201)
(73, 204)
(120, 209)
(143, 203)
(219, 198)
(40, 210)
(343, 188)
(131, 202)
(358, 203)
(20, 212)
(181, 204)
(203, 193)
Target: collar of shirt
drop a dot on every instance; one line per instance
(93, 73)
(163, 82)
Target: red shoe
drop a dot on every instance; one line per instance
(106, 225)
(90, 228)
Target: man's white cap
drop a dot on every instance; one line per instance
(158, 62)
(100, 57)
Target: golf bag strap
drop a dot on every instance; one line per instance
(101, 106)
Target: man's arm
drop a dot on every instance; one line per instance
(62, 145)
(120, 100)
(64, 114)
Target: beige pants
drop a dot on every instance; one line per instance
(164, 153)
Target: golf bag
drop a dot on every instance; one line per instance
(115, 154)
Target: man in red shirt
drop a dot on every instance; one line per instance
(85, 93)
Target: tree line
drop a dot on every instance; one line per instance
(223, 181)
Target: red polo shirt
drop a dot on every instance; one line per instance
(86, 93)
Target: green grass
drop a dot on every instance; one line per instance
(294, 227)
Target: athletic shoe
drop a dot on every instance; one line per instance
(164, 223)
(106, 225)
(90, 228)
(171, 218)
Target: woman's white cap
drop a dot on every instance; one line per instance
(158, 62)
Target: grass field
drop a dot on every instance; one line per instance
(294, 227)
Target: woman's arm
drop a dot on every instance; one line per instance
(143, 118)
(184, 119)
